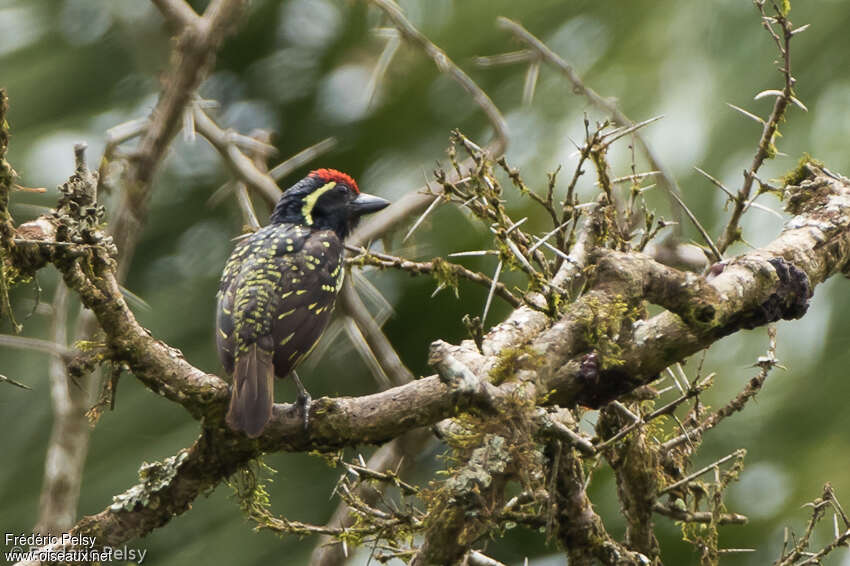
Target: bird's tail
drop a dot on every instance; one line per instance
(253, 391)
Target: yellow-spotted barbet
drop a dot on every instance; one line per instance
(278, 290)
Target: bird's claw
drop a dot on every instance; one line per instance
(303, 401)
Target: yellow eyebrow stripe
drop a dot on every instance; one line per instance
(310, 202)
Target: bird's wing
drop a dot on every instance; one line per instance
(224, 321)
(280, 282)
(308, 290)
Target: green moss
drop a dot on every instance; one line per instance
(249, 486)
(444, 274)
(602, 322)
(511, 360)
(800, 172)
(88, 345)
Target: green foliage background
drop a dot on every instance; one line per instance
(77, 67)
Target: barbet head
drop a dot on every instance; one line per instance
(326, 199)
(278, 290)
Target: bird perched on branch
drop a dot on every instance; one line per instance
(278, 290)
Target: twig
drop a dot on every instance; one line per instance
(421, 218)
(491, 291)
(691, 477)
(241, 165)
(383, 63)
(766, 363)
(668, 181)
(177, 12)
(36, 344)
(10, 381)
(512, 58)
(564, 433)
(301, 158)
(374, 336)
(69, 437)
(715, 252)
(766, 149)
(447, 66)
(705, 517)
(663, 410)
(367, 257)
(475, 558)
(282, 170)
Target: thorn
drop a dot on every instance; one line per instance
(769, 92)
(18, 187)
(745, 113)
(421, 219)
(473, 253)
(715, 252)
(541, 241)
(799, 104)
(619, 133)
(491, 292)
(11, 381)
(530, 85)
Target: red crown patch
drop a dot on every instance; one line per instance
(329, 175)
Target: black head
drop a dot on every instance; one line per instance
(325, 199)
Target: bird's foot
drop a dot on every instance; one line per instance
(303, 401)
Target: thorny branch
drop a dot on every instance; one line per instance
(446, 272)
(543, 52)
(766, 148)
(421, 199)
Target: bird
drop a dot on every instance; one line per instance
(278, 290)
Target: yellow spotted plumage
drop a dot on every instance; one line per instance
(278, 290)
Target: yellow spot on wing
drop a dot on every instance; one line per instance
(287, 339)
(285, 314)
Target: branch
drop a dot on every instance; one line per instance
(192, 61)
(606, 105)
(418, 200)
(447, 66)
(178, 13)
(552, 360)
(699, 516)
(240, 164)
(579, 528)
(766, 148)
(437, 267)
(69, 437)
(398, 456)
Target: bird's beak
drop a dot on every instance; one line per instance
(366, 204)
